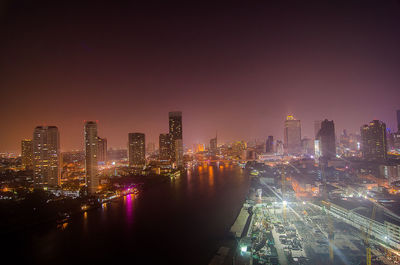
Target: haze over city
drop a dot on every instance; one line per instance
(195, 133)
(238, 69)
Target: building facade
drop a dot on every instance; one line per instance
(213, 146)
(164, 146)
(176, 133)
(269, 145)
(373, 140)
(27, 153)
(91, 156)
(137, 149)
(327, 140)
(46, 155)
(292, 135)
(102, 150)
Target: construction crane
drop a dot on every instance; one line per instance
(368, 234)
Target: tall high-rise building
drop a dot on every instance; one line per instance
(179, 153)
(213, 146)
(165, 146)
(91, 156)
(292, 135)
(327, 140)
(27, 153)
(373, 140)
(175, 132)
(269, 145)
(136, 149)
(102, 150)
(398, 120)
(46, 155)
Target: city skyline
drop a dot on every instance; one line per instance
(280, 60)
(206, 141)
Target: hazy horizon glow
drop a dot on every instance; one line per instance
(237, 70)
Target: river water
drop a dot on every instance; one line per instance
(182, 221)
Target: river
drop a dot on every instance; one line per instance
(182, 221)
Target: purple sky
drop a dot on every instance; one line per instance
(237, 69)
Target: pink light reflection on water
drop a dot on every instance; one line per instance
(129, 208)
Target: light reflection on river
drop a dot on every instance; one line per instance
(181, 221)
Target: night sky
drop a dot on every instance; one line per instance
(238, 69)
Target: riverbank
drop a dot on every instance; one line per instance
(42, 208)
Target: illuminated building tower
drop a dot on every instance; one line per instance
(373, 140)
(46, 156)
(165, 146)
(136, 150)
(27, 153)
(179, 153)
(91, 156)
(326, 138)
(269, 145)
(292, 135)
(175, 132)
(213, 146)
(102, 150)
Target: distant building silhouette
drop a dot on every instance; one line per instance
(269, 145)
(307, 146)
(46, 155)
(279, 147)
(102, 150)
(151, 148)
(164, 146)
(326, 138)
(175, 132)
(137, 150)
(27, 153)
(91, 156)
(373, 140)
(292, 135)
(213, 146)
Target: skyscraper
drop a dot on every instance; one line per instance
(179, 153)
(175, 132)
(326, 138)
(165, 146)
(373, 140)
(269, 145)
(91, 156)
(102, 150)
(27, 153)
(213, 146)
(137, 150)
(46, 156)
(292, 135)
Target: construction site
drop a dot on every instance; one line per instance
(275, 226)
